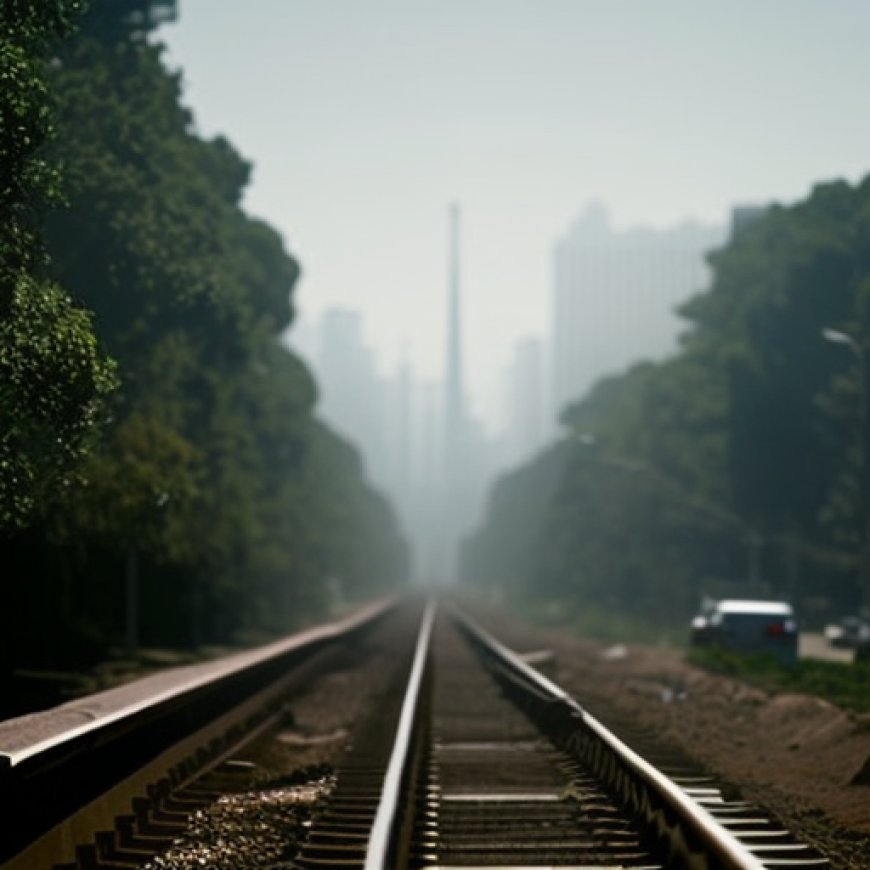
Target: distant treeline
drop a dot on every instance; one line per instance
(739, 465)
(163, 478)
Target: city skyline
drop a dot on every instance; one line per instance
(370, 118)
(614, 298)
(650, 329)
(419, 441)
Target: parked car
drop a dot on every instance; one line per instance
(749, 626)
(700, 630)
(851, 632)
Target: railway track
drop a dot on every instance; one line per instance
(467, 758)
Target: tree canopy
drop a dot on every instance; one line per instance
(738, 464)
(213, 488)
(53, 374)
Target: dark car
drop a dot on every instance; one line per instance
(851, 632)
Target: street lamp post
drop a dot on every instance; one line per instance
(837, 336)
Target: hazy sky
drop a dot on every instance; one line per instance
(364, 118)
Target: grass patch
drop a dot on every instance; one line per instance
(846, 685)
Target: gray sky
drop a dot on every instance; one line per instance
(364, 118)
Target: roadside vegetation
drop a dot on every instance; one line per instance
(840, 683)
(601, 623)
(736, 468)
(164, 479)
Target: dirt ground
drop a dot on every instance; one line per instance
(798, 756)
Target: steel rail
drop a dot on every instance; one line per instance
(193, 678)
(54, 765)
(387, 829)
(690, 834)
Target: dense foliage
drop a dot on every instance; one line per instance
(215, 505)
(739, 466)
(53, 376)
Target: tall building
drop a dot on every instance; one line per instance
(352, 393)
(398, 424)
(395, 421)
(615, 295)
(526, 401)
(426, 469)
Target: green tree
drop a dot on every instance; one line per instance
(226, 506)
(53, 376)
(53, 379)
(743, 457)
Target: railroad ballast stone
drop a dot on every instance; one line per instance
(249, 829)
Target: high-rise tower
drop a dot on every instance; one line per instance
(615, 295)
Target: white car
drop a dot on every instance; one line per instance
(749, 626)
(851, 632)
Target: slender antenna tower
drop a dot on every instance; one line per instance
(454, 443)
(453, 410)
